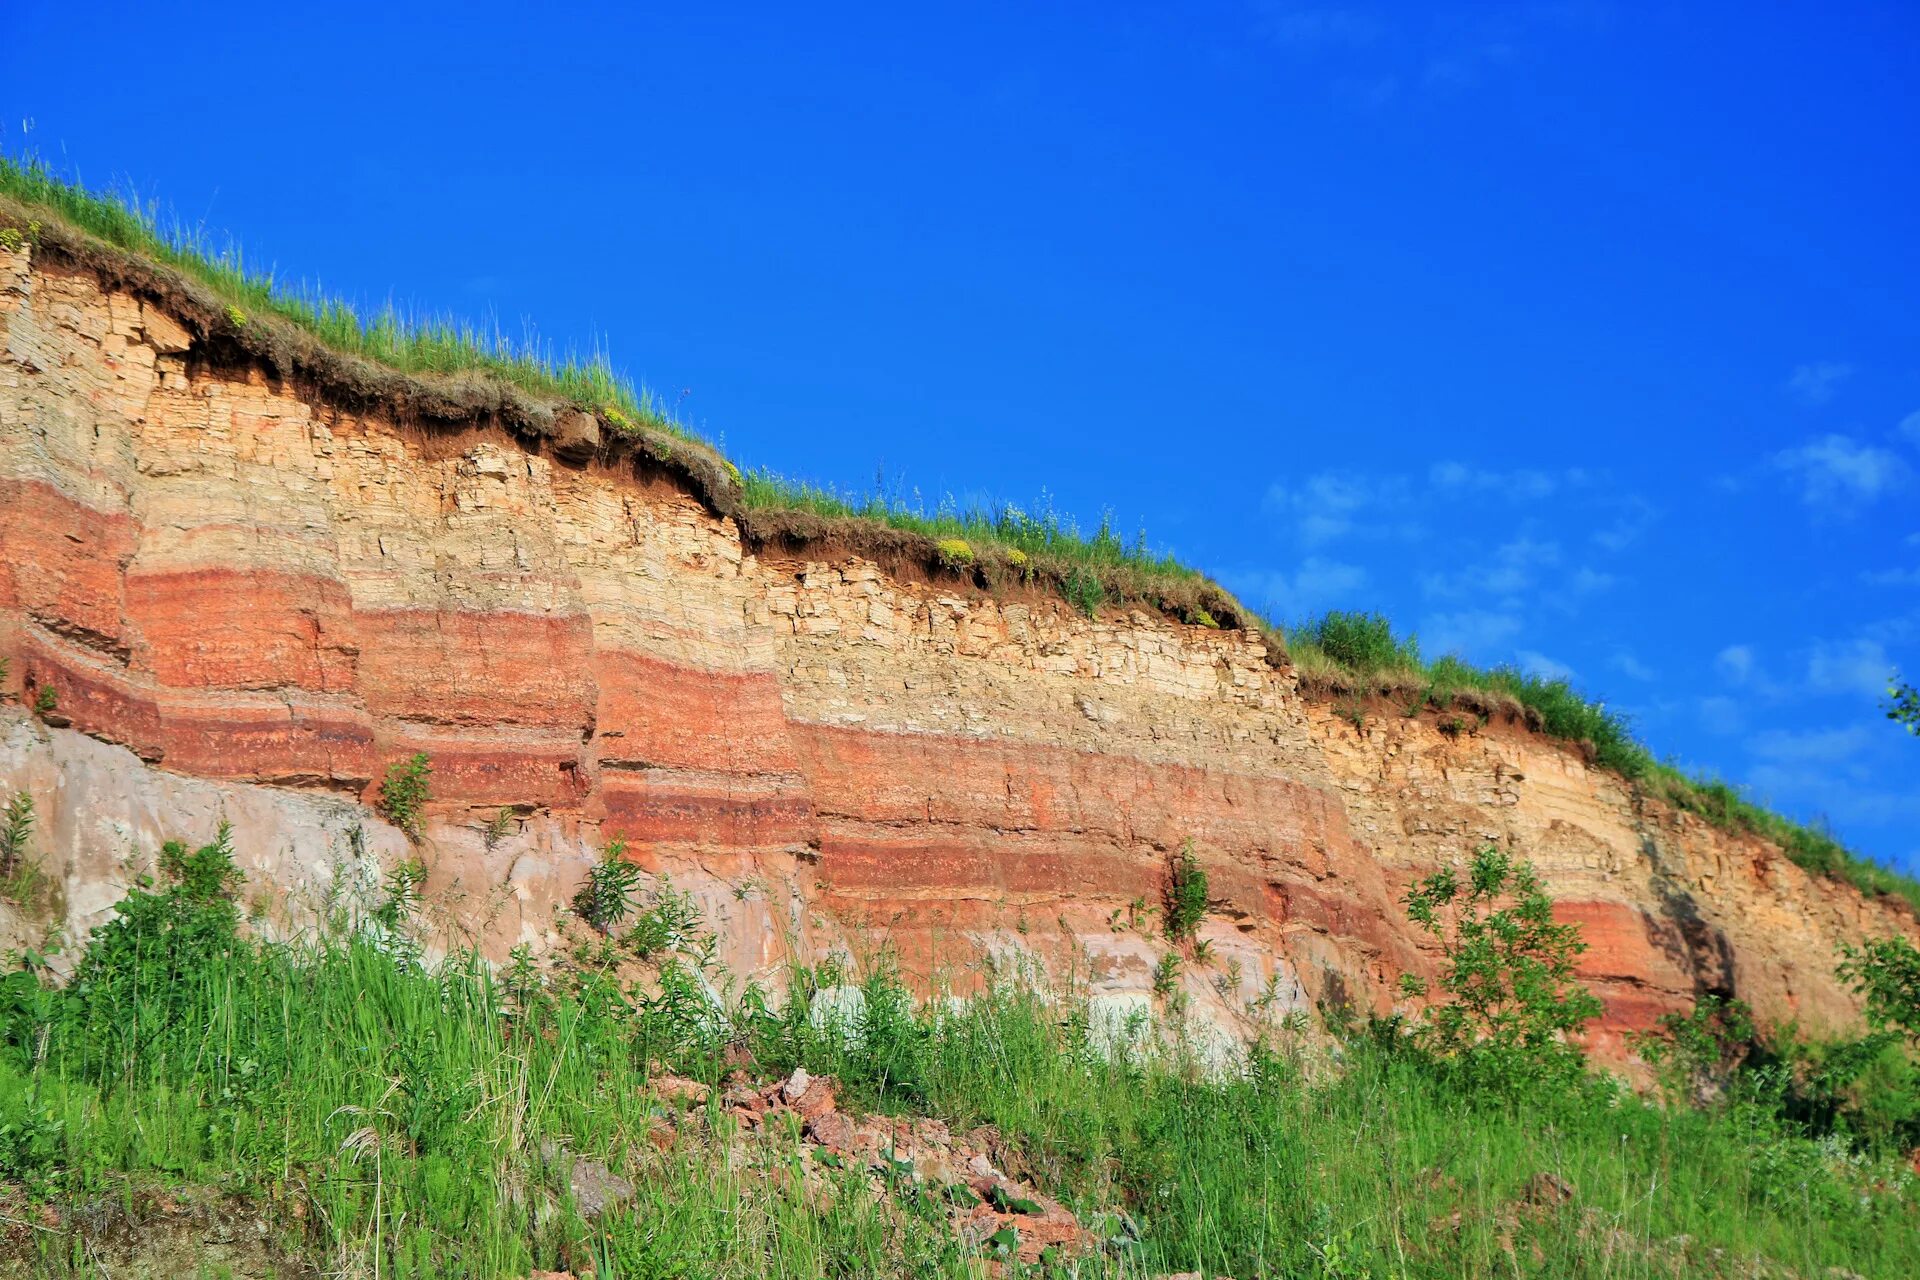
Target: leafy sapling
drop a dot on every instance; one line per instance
(1512, 1000)
(406, 791)
(608, 898)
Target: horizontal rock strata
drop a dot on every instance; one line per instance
(248, 600)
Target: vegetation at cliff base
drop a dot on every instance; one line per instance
(365, 1114)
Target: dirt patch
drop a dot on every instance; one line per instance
(147, 1234)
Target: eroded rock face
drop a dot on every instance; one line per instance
(249, 603)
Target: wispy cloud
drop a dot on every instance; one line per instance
(1633, 518)
(1631, 667)
(1813, 746)
(1722, 715)
(1910, 428)
(1513, 569)
(1849, 666)
(1839, 473)
(1816, 383)
(1317, 585)
(1334, 504)
(1377, 54)
(1539, 664)
(1469, 632)
(1311, 28)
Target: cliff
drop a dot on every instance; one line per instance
(251, 589)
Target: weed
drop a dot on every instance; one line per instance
(45, 700)
(16, 829)
(497, 826)
(609, 896)
(1084, 591)
(1186, 894)
(405, 792)
(1696, 1053)
(1166, 976)
(236, 317)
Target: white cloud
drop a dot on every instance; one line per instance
(1813, 746)
(1525, 484)
(1308, 28)
(1469, 631)
(1539, 664)
(1512, 570)
(1317, 585)
(1628, 665)
(1736, 664)
(1836, 470)
(1853, 666)
(1333, 504)
(1815, 383)
(1635, 518)
(1910, 427)
(1722, 715)
(1892, 578)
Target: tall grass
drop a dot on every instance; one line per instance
(1360, 653)
(1044, 541)
(416, 344)
(410, 1122)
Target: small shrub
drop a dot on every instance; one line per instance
(236, 317)
(608, 898)
(45, 700)
(1696, 1053)
(1186, 895)
(16, 828)
(1020, 562)
(1199, 617)
(497, 826)
(1166, 976)
(1363, 643)
(1513, 1000)
(954, 553)
(406, 791)
(672, 922)
(207, 874)
(1084, 590)
(1885, 974)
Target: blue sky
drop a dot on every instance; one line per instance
(1584, 336)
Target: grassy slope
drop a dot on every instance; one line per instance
(1342, 655)
(391, 1120)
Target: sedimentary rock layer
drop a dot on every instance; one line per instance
(246, 598)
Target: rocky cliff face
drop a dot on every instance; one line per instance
(249, 600)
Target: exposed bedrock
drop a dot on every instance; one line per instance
(249, 602)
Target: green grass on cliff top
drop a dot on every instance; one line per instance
(1353, 655)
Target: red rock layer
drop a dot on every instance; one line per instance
(237, 584)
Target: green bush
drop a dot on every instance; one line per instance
(1885, 974)
(406, 791)
(16, 829)
(1186, 895)
(1512, 1000)
(1697, 1053)
(1363, 643)
(608, 898)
